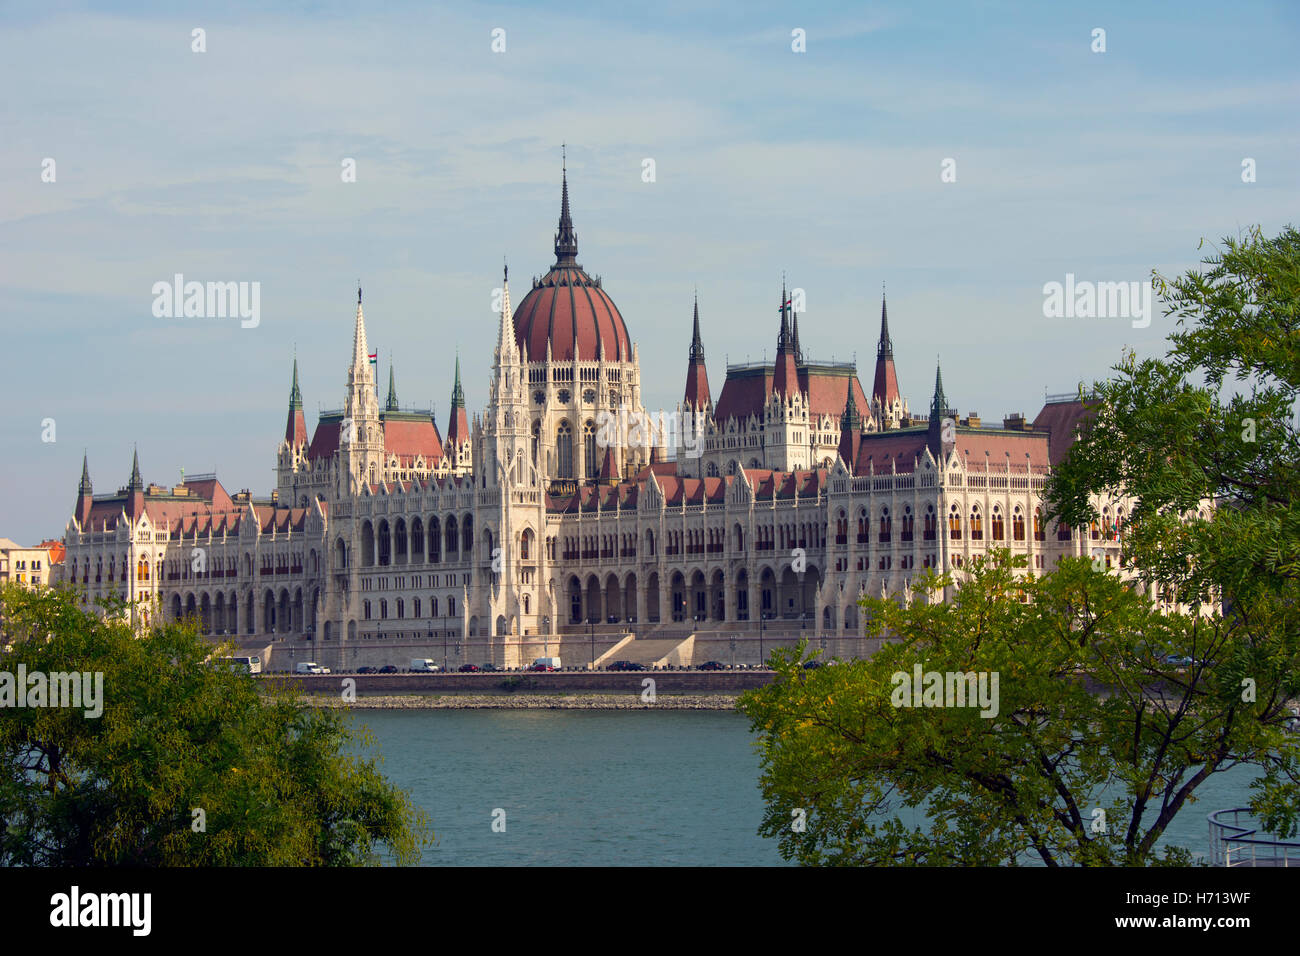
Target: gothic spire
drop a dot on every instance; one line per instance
(566, 240)
(783, 340)
(295, 396)
(939, 404)
(697, 345)
(507, 349)
(886, 346)
(851, 419)
(798, 352)
(136, 481)
(391, 404)
(85, 488)
(457, 393)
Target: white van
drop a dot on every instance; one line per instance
(552, 662)
(423, 665)
(310, 667)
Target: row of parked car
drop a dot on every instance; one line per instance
(425, 665)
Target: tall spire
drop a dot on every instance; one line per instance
(783, 339)
(295, 428)
(507, 348)
(851, 418)
(697, 374)
(886, 347)
(566, 240)
(939, 404)
(785, 375)
(697, 345)
(457, 393)
(360, 348)
(458, 426)
(136, 481)
(85, 488)
(391, 404)
(798, 352)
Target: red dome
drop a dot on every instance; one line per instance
(567, 306)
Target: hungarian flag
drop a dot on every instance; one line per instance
(374, 358)
(786, 305)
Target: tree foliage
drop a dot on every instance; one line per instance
(1092, 715)
(177, 734)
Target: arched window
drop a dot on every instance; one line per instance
(589, 449)
(537, 440)
(564, 451)
(401, 608)
(383, 608)
(976, 524)
(931, 521)
(1018, 525)
(997, 524)
(886, 525)
(433, 607)
(415, 609)
(365, 609)
(1040, 534)
(526, 545)
(954, 524)
(907, 523)
(452, 537)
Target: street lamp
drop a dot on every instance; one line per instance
(591, 623)
(762, 621)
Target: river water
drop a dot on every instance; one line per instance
(603, 787)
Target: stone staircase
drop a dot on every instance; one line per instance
(648, 651)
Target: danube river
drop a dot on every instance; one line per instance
(602, 788)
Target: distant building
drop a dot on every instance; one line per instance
(33, 567)
(534, 524)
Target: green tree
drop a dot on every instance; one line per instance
(177, 735)
(1092, 717)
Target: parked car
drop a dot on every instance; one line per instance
(388, 669)
(552, 662)
(541, 667)
(1178, 660)
(468, 668)
(488, 667)
(626, 666)
(813, 665)
(309, 667)
(367, 670)
(423, 665)
(712, 666)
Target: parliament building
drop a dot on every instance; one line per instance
(568, 519)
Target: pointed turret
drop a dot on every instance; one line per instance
(135, 489)
(785, 376)
(295, 429)
(361, 439)
(697, 375)
(507, 351)
(85, 493)
(885, 398)
(566, 239)
(391, 405)
(798, 349)
(458, 426)
(940, 417)
(850, 431)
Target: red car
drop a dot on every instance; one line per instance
(541, 667)
(468, 668)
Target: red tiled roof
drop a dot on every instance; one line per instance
(1062, 419)
(746, 394)
(565, 307)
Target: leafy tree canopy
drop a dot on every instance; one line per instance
(1099, 739)
(273, 778)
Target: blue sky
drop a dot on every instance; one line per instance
(225, 165)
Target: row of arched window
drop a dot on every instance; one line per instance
(399, 606)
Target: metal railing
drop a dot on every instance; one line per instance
(1236, 839)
